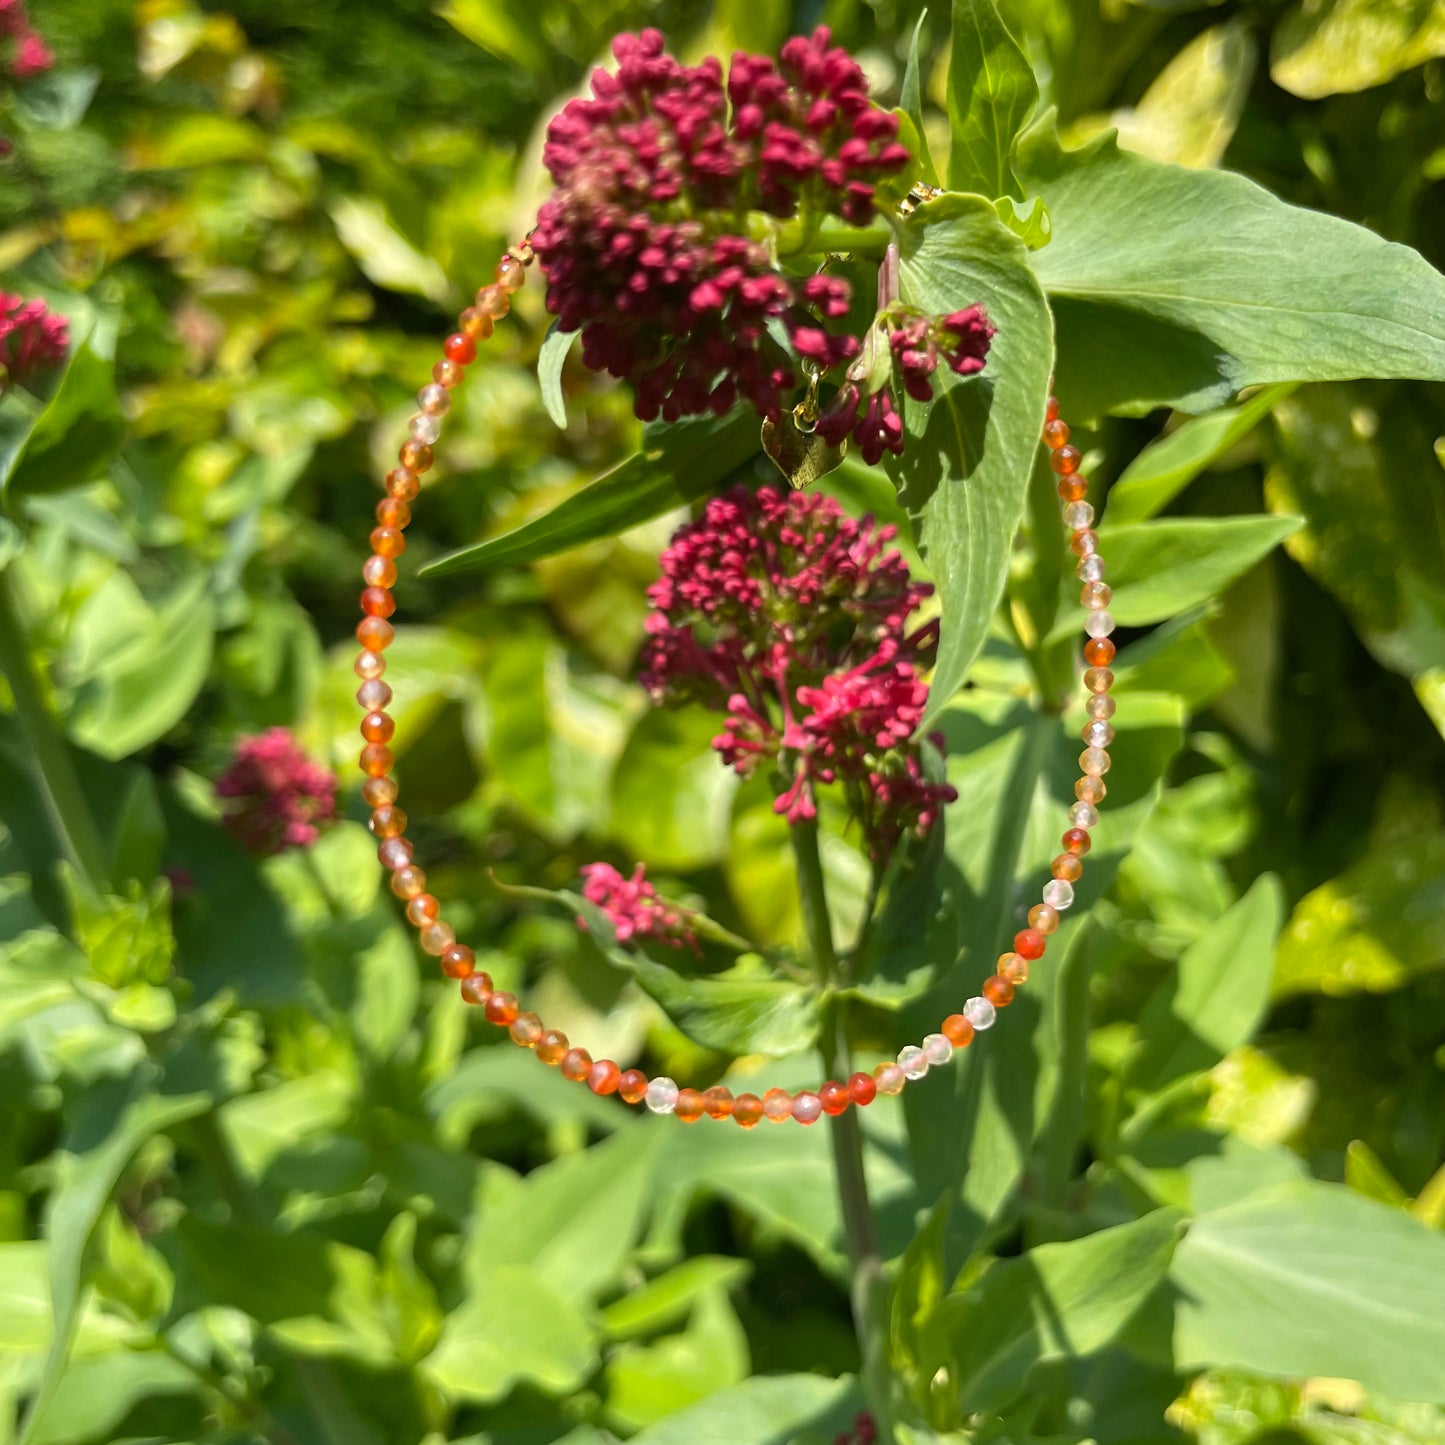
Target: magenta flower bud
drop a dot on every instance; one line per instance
(277, 797)
(635, 910)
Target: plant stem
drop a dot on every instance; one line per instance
(55, 774)
(868, 1289)
(823, 235)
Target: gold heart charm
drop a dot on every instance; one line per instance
(801, 456)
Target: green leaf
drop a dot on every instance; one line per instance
(666, 1299)
(498, 30)
(98, 1393)
(1366, 1174)
(410, 1309)
(964, 474)
(991, 94)
(1056, 1301)
(765, 1410)
(678, 464)
(910, 101)
(1148, 315)
(550, 361)
(1164, 468)
(1314, 1280)
(1032, 226)
(383, 253)
(1330, 47)
(1218, 994)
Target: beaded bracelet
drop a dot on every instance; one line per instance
(408, 882)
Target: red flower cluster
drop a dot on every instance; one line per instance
(792, 617)
(280, 796)
(640, 244)
(634, 907)
(31, 56)
(32, 337)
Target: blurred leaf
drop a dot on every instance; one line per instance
(765, 1410)
(383, 253)
(1365, 1174)
(1147, 317)
(499, 29)
(1314, 1280)
(678, 464)
(991, 94)
(96, 1394)
(1164, 468)
(550, 361)
(964, 474)
(412, 1313)
(1326, 47)
(666, 1299)
(58, 99)
(265, 1124)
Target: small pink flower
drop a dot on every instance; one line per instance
(634, 908)
(279, 797)
(32, 338)
(32, 56)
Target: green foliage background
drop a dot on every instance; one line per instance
(261, 1178)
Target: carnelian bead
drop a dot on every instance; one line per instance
(416, 455)
(394, 853)
(422, 910)
(448, 374)
(1029, 943)
(1066, 460)
(861, 1089)
(603, 1077)
(777, 1105)
(1056, 433)
(689, 1106)
(633, 1086)
(1043, 918)
(377, 727)
(390, 822)
(998, 991)
(1084, 542)
(1067, 867)
(1073, 489)
(380, 571)
(958, 1031)
(501, 1008)
(476, 988)
(460, 348)
(552, 1046)
(510, 273)
(747, 1110)
(391, 512)
(1098, 652)
(1090, 789)
(379, 791)
(718, 1101)
(476, 324)
(408, 882)
(436, 938)
(494, 302)
(1013, 968)
(375, 633)
(376, 759)
(834, 1096)
(387, 541)
(525, 1030)
(1051, 409)
(1077, 840)
(1098, 679)
(403, 484)
(576, 1065)
(459, 961)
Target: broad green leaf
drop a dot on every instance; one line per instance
(1175, 287)
(678, 464)
(409, 1300)
(964, 474)
(765, 1410)
(550, 361)
(26, 1322)
(1164, 468)
(96, 1394)
(666, 1299)
(1330, 47)
(1054, 1302)
(1217, 996)
(991, 94)
(261, 1126)
(1314, 1280)
(383, 253)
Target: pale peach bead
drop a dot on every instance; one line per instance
(1042, 918)
(378, 572)
(511, 273)
(422, 910)
(369, 665)
(889, 1078)
(395, 854)
(494, 302)
(525, 1030)
(437, 937)
(373, 694)
(379, 791)
(777, 1105)
(1014, 967)
(408, 882)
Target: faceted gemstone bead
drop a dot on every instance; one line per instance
(380, 571)
(416, 455)
(391, 512)
(448, 374)
(552, 1046)
(777, 1105)
(476, 988)
(369, 665)
(937, 1050)
(421, 910)
(388, 822)
(373, 694)
(1084, 815)
(1090, 790)
(525, 1030)
(980, 1013)
(1098, 652)
(423, 428)
(913, 1061)
(1085, 543)
(1059, 892)
(689, 1106)
(747, 1110)
(1100, 706)
(632, 1085)
(1077, 840)
(437, 937)
(862, 1089)
(408, 882)
(834, 1096)
(375, 633)
(434, 400)
(377, 602)
(377, 727)
(1095, 595)
(998, 991)
(1099, 624)
(475, 324)
(387, 541)
(661, 1095)
(958, 1031)
(1065, 460)
(1051, 409)
(1090, 569)
(889, 1078)
(576, 1065)
(1073, 489)
(1098, 734)
(458, 961)
(1078, 515)
(375, 759)
(807, 1106)
(1029, 943)
(1056, 433)
(718, 1101)
(1042, 919)
(510, 273)
(403, 483)
(494, 302)
(501, 1008)
(603, 1076)
(1013, 968)
(379, 791)
(1094, 761)
(460, 348)
(1067, 867)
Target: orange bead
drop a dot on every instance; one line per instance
(387, 541)
(459, 961)
(376, 759)
(1067, 867)
(689, 1106)
(777, 1105)
(1073, 489)
(1090, 789)
(476, 988)
(1099, 652)
(501, 1008)
(998, 991)
(861, 1089)
(1029, 943)
(552, 1046)
(494, 302)
(718, 1101)
(460, 348)
(632, 1086)
(422, 909)
(403, 484)
(525, 1030)
(377, 727)
(1051, 410)
(604, 1077)
(380, 571)
(476, 324)
(1066, 460)
(416, 455)
(576, 1065)
(1084, 542)
(1077, 840)
(1013, 968)
(448, 374)
(510, 273)
(389, 822)
(1098, 679)
(747, 1110)
(1043, 918)
(1056, 433)
(834, 1096)
(375, 633)
(409, 882)
(391, 512)
(379, 791)
(958, 1031)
